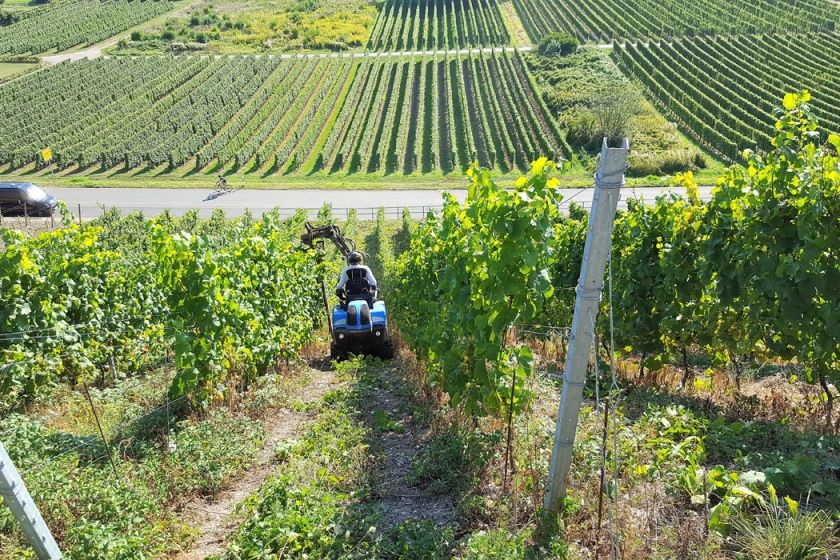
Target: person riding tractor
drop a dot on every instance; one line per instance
(356, 281)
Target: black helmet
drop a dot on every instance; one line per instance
(354, 258)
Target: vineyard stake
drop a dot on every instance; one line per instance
(608, 182)
(101, 432)
(18, 500)
(80, 213)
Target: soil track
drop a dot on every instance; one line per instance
(396, 448)
(215, 517)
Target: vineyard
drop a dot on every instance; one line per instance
(184, 333)
(602, 21)
(438, 25)
(700, 82)
(69, 23)
(266, 115)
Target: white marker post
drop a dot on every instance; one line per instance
(25, 511)
(608, 182)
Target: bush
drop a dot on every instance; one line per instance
(557, 44)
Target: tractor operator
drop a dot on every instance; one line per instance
(354, 263)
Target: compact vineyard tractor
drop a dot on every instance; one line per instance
(359, 323)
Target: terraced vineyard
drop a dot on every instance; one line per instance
(269, 115)
(438, 24)
(66, 24)
(603, 20)
(721, 90)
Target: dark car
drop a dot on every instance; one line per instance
(19, 199)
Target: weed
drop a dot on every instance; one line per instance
(783, 533)
(453, 460)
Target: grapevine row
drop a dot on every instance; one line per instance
(270, 115)
(438, 25)
(702, 83)
(62, 25)
(603, 21)
(673, 287)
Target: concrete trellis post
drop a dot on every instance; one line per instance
(608, 182)
(18, 500)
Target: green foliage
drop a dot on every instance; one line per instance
(68, 303)
(698, 82)
(557, 44)
(95, 513)
(268, 115)
(81, 300)
(453, 461)
(438, 25)
(572, 84)
(770, 234)
(482, 268)
(600, 23)
(238, 309)
(784, 533)
(62, 25)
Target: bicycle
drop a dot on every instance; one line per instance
(222, 186)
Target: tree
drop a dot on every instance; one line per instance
(557, 44)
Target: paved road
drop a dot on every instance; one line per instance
(151, 202)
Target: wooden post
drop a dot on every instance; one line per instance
(18, 500)
(608, 182)
(80, 213)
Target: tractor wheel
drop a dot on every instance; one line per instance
(335, 353)
(386, 352)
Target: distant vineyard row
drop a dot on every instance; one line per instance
(267, 115)
(66, 24)
(721, 90)
(438, 24)
(604, 20)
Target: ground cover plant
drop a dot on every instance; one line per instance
(573, 85)
(267, 26)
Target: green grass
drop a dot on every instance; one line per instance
(578, 177)
(14, 69)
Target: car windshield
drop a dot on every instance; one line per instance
(36, 193)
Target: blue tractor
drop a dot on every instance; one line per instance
(359, 322)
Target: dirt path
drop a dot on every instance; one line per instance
(214, 517)
(397, 447)
(514, 25)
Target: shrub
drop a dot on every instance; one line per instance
(557, 44)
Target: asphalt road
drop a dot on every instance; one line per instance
(93, 202)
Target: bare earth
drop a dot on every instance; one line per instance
(393, 495)
(214, 517)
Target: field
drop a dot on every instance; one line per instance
(71, 23)
(700, 83)
(439, 25)
(268, 116)
(602, 21)
(261, 26)
(176, 378)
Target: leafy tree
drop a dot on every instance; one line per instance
(557, 44)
